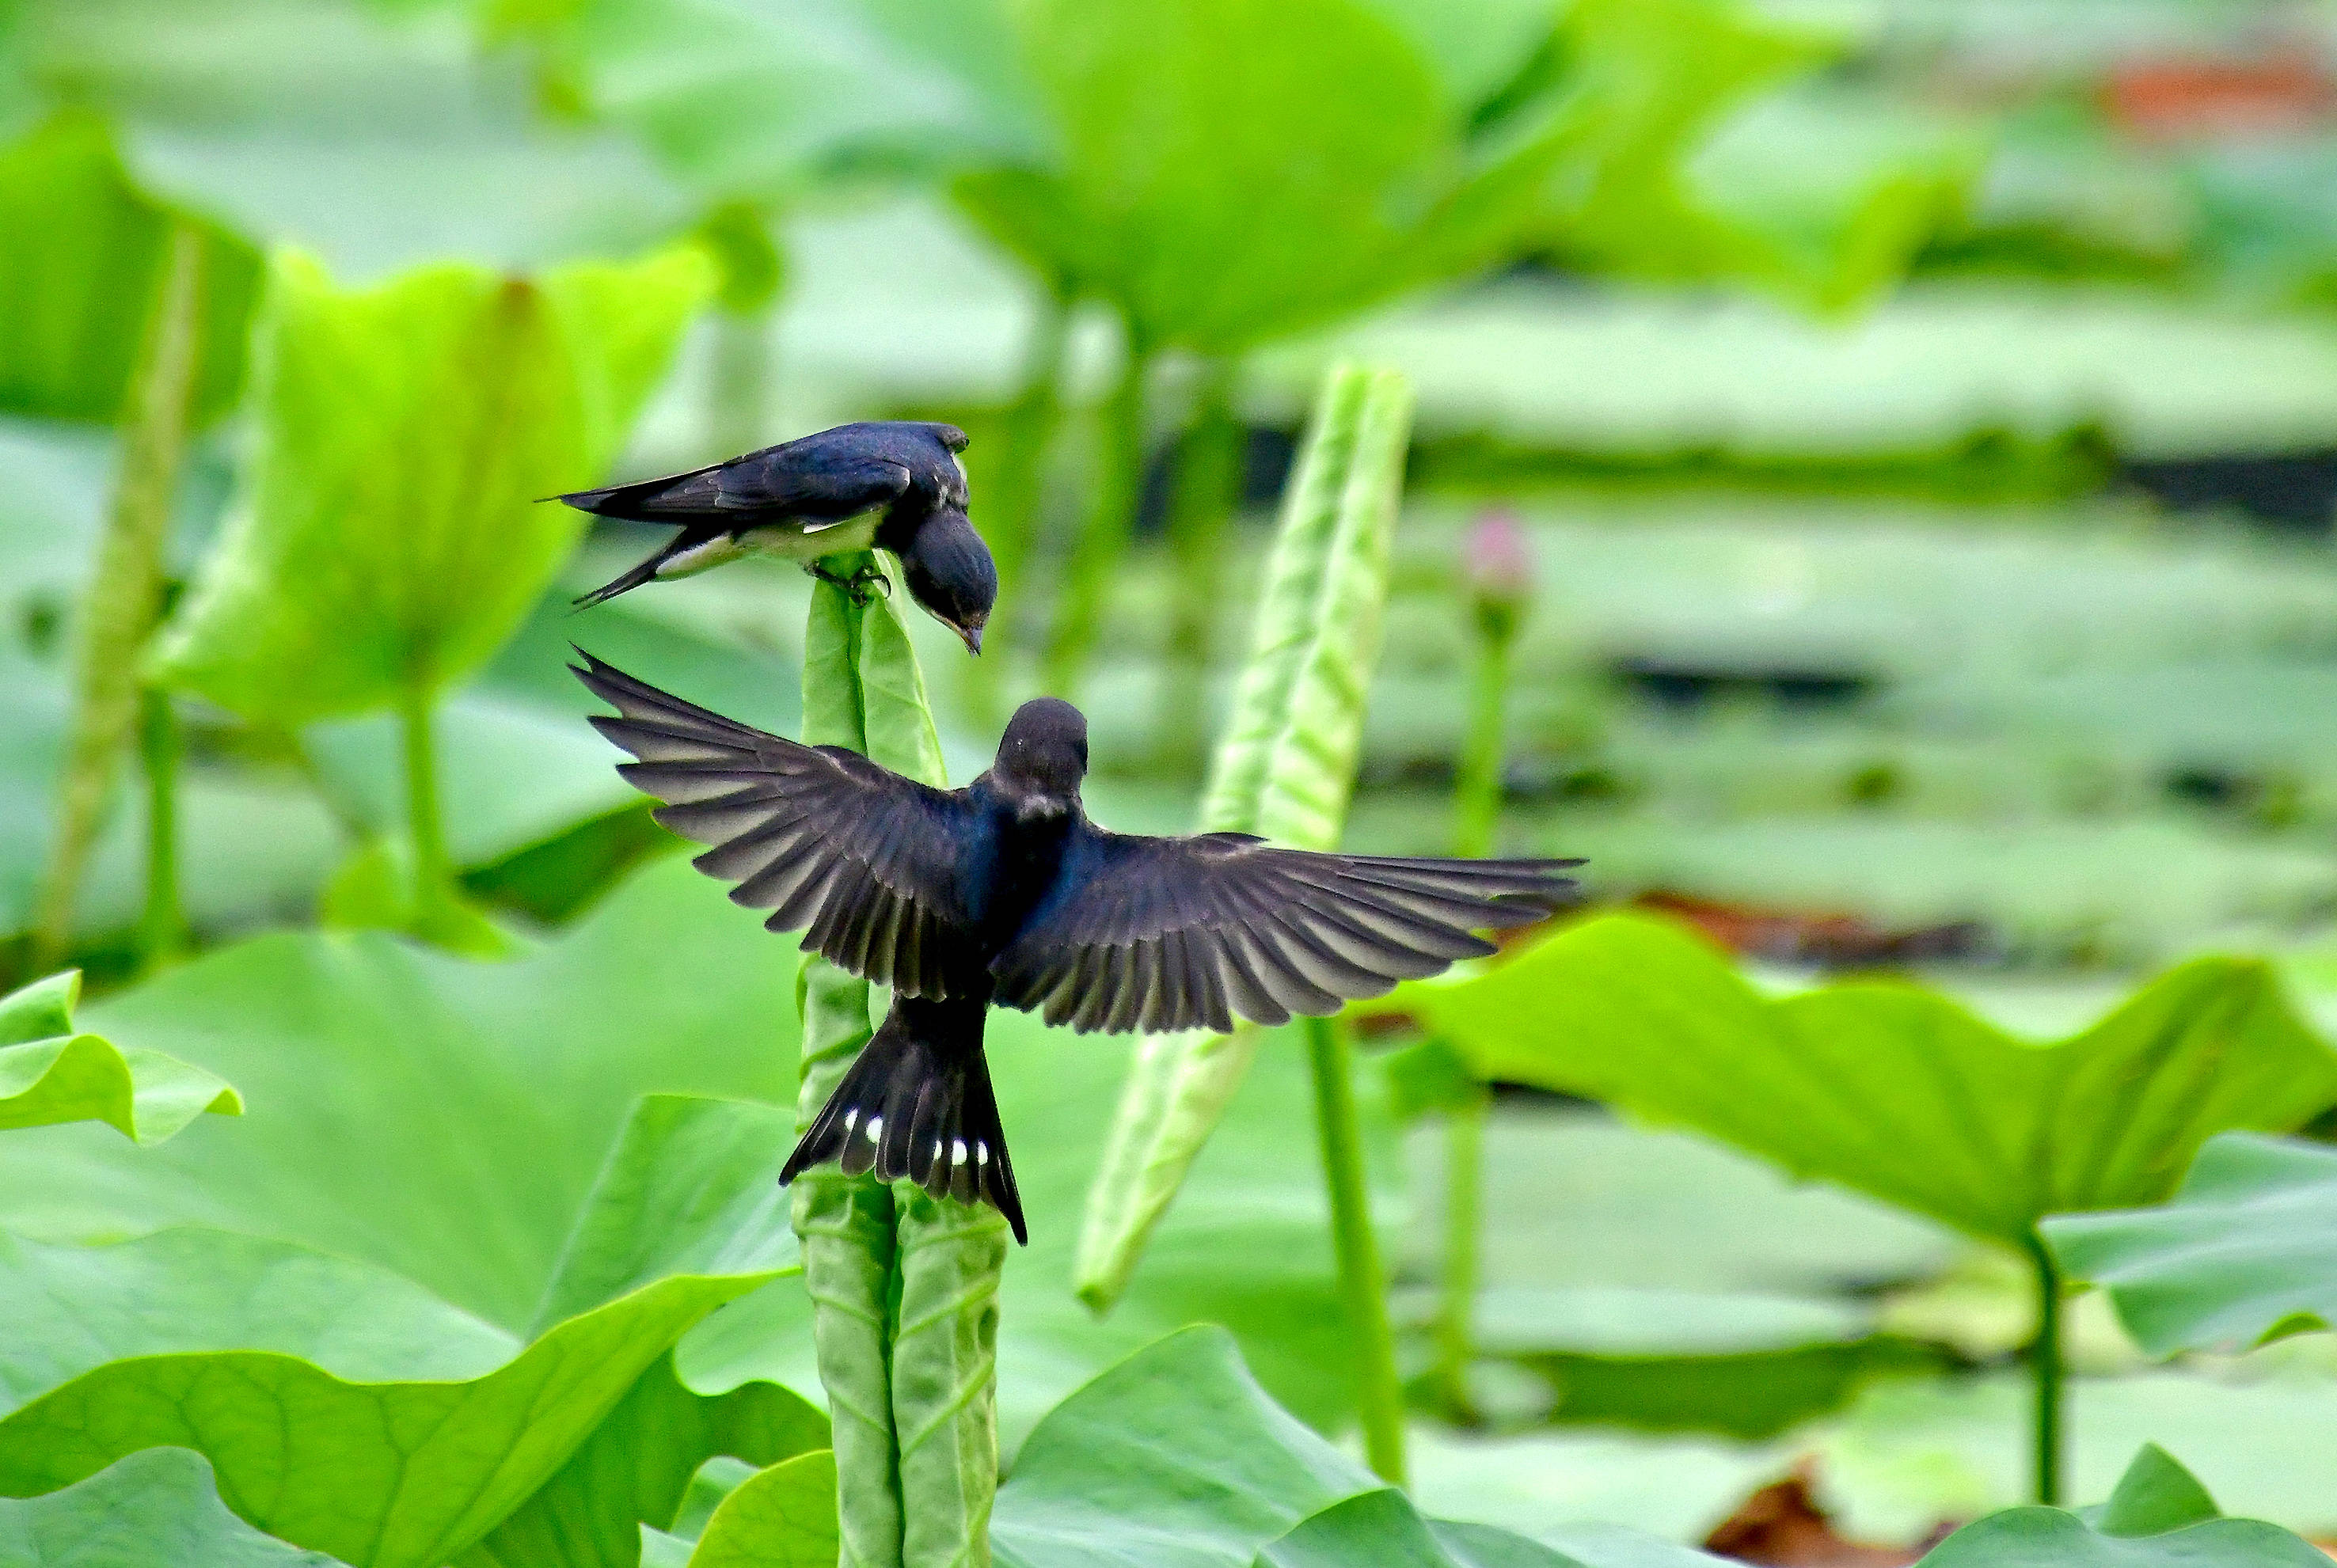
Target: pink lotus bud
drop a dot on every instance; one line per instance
(1498, 560)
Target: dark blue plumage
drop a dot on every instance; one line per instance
(890, 484)
(1003, 893)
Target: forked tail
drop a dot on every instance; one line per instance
(917, 1105)
(632, 577)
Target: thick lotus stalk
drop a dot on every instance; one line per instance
(125, 589)
(905, 1289)
(845, 1222)
(1285, 768)
(951, 1257)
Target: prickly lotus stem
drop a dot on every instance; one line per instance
(905, 1288)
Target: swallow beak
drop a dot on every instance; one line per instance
(971, 636)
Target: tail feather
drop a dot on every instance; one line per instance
(634, 501)
(629, 579)
(917, 1106)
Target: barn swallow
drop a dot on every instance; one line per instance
(892, 485)
(1004, 893)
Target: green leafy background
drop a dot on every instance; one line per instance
(2074, 723)
(413, 431)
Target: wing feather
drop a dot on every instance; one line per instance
(824, 838)
(1157, 934)
(810, 479)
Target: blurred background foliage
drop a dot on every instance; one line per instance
(1920, 418)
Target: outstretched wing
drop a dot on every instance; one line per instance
(781, 482)
(821, 837)
(1161, 933)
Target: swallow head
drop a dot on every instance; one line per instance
(949, 572)
(1045, 752)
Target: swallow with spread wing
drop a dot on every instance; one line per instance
(890, 484)
(1004, 893)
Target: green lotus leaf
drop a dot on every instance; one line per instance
(83, 263)
(447, 1120)
(1382, 1530)
(154, 1509)
(442, 1119)
(368, 133)
(1266, 139)
(1745, 1364)
(192, 1289)
(388, 537)
(2245, 1250)
(2158, 1517)
(1890, 1090)
(403, 1474)
(634, 1471)
(331, 1394)
(1175, 1458)
(1697, 164)
(686, 1191)
(782, 1517)
(2155, 1495)
(50, 1073)
(737, 101)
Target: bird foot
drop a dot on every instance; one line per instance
(862, 585)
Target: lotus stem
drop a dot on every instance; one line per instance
(1105, 530)
(1464, 1182)
(162, 928)
(1477, 780)
(2045, 1365)
(125, 598)
(1363, 1288)
(846, 1222)
(434, 876)
(904, 1287)
(847, 1227)
(1476, 812)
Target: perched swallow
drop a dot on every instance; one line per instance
(891, 484)
(1003, 893)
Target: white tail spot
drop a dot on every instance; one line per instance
(957, 1152)
(850, 1118)
(875, 1128)
(937, 1151)
(981, 1154)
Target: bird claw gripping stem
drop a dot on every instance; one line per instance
(862, 585)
